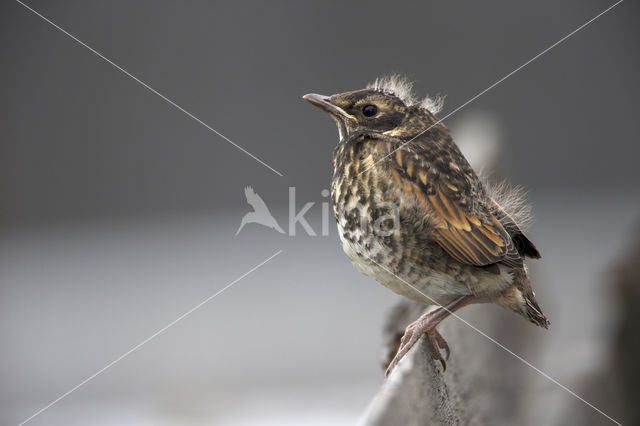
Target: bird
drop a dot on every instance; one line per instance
(260, 213)
(448, 240)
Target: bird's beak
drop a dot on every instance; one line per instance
(324, 103)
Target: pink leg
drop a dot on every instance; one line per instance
(426, 324)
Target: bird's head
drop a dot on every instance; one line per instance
(386, 106)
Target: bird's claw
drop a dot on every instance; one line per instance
(437, 342)
(442, 344)
(411, 336)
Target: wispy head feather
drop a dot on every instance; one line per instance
(398, 85)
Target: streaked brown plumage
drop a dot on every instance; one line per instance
(453, 244)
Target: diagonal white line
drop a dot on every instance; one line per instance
(148, 339)
(145, 85)
(501, 345)
(498, 82)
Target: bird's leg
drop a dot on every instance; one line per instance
(426, 324)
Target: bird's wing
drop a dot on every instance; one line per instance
(435, 173)
(255, 200)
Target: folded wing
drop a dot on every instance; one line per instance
(445, 184)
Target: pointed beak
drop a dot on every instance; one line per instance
(324, 103)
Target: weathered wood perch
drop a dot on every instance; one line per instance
(478, 387)
(416, 393)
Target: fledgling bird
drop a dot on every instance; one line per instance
(453, 244)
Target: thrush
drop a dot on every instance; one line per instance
(413, 215)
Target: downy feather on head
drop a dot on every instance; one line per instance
(400, 86)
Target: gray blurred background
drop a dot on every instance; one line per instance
(118, 212)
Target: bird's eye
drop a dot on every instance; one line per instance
(369, 110)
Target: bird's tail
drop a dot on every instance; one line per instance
(534, 313)
(520, 298)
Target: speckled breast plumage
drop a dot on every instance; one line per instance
(362, 193)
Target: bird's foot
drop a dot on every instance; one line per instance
(426, 324)
(437, 343)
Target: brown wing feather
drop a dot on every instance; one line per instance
(466, 229)
(467, 238)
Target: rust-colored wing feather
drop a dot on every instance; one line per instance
(467, 238)
(436, 174)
